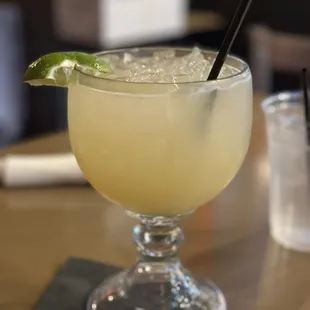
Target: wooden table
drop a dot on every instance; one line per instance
(226, 240)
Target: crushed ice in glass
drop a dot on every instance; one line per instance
(288, 125)
(164, 67)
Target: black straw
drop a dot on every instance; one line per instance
(230, 36)
(305, 87)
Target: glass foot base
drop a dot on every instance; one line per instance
(156, 286)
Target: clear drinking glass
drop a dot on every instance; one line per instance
(160, 150)
(289, 158)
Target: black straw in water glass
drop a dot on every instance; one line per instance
(305, 87)
(230, 36)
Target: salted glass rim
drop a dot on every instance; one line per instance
(245, 70)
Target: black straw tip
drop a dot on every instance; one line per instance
(229, 38)
(305, 89)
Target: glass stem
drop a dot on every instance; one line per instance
(158, 239)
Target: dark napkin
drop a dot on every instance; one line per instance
(72, 285)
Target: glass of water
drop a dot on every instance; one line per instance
(289, 154)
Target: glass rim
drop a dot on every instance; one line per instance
(245, 67)
(283, 98)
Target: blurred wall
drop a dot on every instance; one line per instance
(46, 106)
(12, 99)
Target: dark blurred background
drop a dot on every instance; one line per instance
(274, 40)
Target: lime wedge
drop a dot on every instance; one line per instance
(57, 69)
